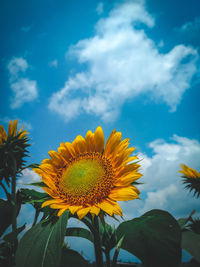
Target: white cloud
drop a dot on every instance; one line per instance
(28, 176)
(53, 63)
(24, 90)
(122, 63)
(163, 188)
(191, 25)
(99, 8)
(16, 65)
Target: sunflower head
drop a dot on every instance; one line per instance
(87, 175)
(191, 179)
(12, 148)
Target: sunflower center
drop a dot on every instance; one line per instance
(82, 176)
(87, 179)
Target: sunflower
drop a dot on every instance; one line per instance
(12, 131)
(12, 147)
(86, 177)
(191, 179)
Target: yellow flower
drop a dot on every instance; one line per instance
(191, 178)
(86, 177)
(12, 150)
(12, 131)
(189, 172)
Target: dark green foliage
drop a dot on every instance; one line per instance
(6, 215)
(41, 246)
(12, 236)
(33, 197)
(108, 236)
(12, 149)
(38, 184)
(155, 238)
(5, 252)
(80, 232)
(194, 226)
(184, 221)
(191, 243)
(193, 184)
(71, 258)
(36, 199)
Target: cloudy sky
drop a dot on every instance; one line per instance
(69, 66)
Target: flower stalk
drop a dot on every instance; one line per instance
(13, 200)
(97, 243)
(107, 254)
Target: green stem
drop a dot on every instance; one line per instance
(37, 212)
(107, 254)
(115, 258)
(97, 243)
(119, 244)
(13, 201)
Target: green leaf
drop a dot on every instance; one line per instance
(183, 221)
(191, 243)
(6, 215)
(41, 246)
(39, 184)
(12, 236)
(118, 247)
(108, 236)
(31, 194)
(80, 232)
(71, 258)
(32, 166)
(33, 197)
(155, 238)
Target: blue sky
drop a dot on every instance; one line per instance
(69, 66)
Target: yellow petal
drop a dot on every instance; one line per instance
(48, 168)
(48, 161)
(112, 144)
(74, 209)
(130, 160)
(64, 153)
(50, 192)
(10, 128)
(89, 138)
(59, 205)
(49, 183)
(3, 133)
(70, 149)
(15, 127)
(82, 212)
(23, 134)
(127, 168)
(49, 202)
(128, 179)
(95, 210)
(107, 206)
(56, 159)
(99, 139)
(124, 193)
(123, 157)
(61, 211)
(79, 145)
